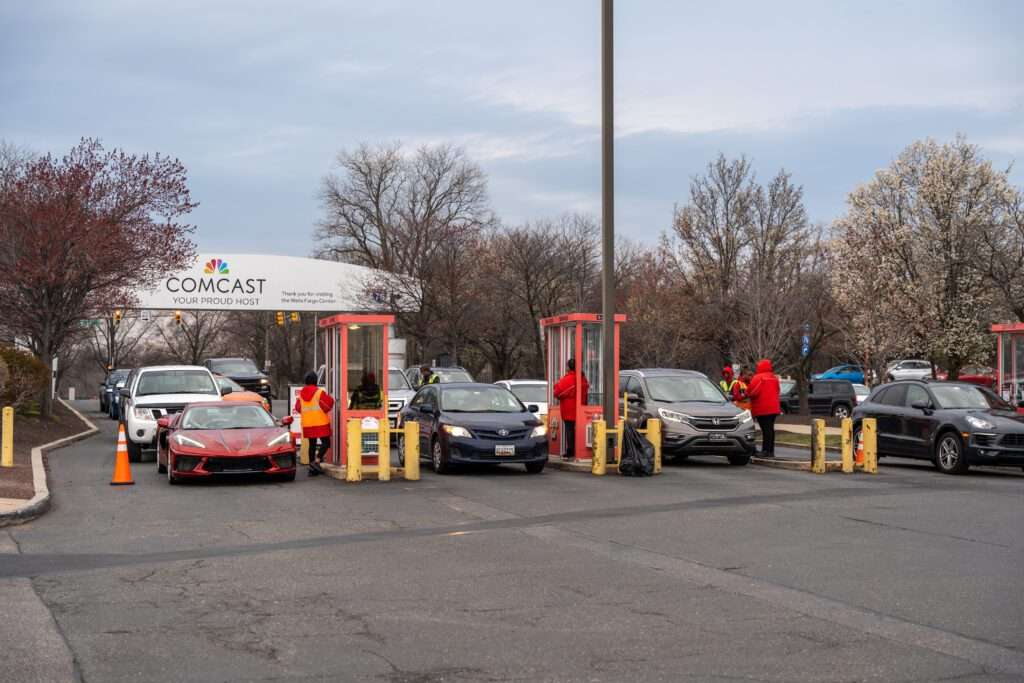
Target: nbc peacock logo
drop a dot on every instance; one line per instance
(215, 266)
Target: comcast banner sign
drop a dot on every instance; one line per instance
(257, 282)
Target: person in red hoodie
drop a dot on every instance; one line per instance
(314, 404)
(568, 397)
(763, 393)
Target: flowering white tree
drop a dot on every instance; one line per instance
(909, 255)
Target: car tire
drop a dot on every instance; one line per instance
(739, 460)
(438, 457)
(134, 451)
(949, 454)
(535, 467)
(171, 479)
(160, 467)
(400, 445)
(841, 411)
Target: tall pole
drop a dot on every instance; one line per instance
(607, 212)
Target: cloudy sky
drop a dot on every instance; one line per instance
(257, 98)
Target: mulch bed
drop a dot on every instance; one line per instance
(785, 419)
(29, 432)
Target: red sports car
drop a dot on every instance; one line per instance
(215, 438)
(974, 374)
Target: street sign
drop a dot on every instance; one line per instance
(805, 346)
(89, 323)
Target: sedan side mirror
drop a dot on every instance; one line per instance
(287, 420)
(428, 410)
(922, 405)
(126, 393)
(633, 397)
(533, 408)
(163, 422)
(225, 391)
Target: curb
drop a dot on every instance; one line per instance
(795, 465)
(40, 502)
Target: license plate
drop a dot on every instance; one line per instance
(717, 436)
(505, 449)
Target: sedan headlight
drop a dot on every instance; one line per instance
(185, 441)
(539, 431)
(143, 414)
(978, 423)
(264, 381)
(458, 432)
(745, 417)
(673, 416)
(282, 438)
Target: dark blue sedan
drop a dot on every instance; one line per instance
(470, 423)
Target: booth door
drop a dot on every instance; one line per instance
(556, 366)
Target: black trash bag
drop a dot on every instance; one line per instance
(637, 457)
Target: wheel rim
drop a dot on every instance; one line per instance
(437, 455)
(949, 453)
(842, 412)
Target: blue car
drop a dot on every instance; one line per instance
(851, 373)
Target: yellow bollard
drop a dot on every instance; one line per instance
(384, 450)
(869, 430)
(654, 436)
(847, 445)
(304, 452)
(599, 465)
(7, 459)
(818, 447)
(412, 451)
(354, 452)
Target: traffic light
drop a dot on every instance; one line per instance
(177, 317)
(280, 317)
(294, 317)
(117, 316)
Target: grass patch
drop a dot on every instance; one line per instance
(804, 440)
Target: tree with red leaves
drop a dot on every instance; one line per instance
(81, 234)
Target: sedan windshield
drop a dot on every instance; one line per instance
(234, 366)
(480, 400)
(954, 396)
(531, 393)
(226, 417)
(680, 389)
(397, 381)
(176, 382)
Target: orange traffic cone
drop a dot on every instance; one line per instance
(859, 454)
(122, 470)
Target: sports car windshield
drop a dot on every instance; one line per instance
(226, 417)
(480, 400)
(176, 382)
(531, 393)
(679, 389)
(953, 396)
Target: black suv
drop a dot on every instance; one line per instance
(244, 372)
(696, 419)
(835, 397)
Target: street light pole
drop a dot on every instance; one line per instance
(607, 213)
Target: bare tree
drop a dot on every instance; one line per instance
(112, 344)
(197, 336)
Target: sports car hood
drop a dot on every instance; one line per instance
(495, 420)
(236, 441)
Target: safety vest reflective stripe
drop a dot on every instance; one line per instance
(312, 414)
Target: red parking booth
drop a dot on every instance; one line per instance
(1010, 362)
(578, 336)
(355, 350)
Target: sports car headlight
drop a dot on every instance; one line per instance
(538, 431)
(143, 414)
(745, 417)
(185, 441)
(458, 432)
(978, 423)
(282, 438)
(673, 416)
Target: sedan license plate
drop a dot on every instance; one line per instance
(505, 449)
(717, 436)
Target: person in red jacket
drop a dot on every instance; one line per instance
(568, 397)
(763, 393)
(314, 404)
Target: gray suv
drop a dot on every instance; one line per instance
(696, 419)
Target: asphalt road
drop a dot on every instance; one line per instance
(707, 572)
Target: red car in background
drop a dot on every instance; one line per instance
(211, 439)
(973, 374)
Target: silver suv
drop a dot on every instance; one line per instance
(696, 418)
(908, 369)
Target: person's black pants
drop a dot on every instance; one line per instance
(767, 425)
(570, 438)
(318, 447)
